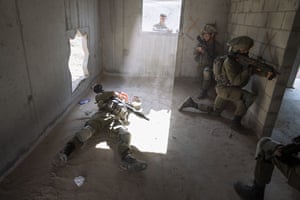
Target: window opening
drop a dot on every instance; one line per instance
(78, 59)
(161, 16)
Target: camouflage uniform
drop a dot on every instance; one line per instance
(111, 119)
(264, 168)
(205, 59)
(237, 76)
(232, 78)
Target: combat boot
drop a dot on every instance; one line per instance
(131, 164)
(61, 158)
(188, 103)
(246, 192)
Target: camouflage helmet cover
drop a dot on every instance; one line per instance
(240, 43)
(208, 28)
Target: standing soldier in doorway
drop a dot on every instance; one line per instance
(205, 53)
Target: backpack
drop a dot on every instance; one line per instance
(220, 77)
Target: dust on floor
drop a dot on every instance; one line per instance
(204, 157)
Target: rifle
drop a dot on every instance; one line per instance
(258, 64)
(203, 45)
(131, 108)
(99, 89)
(201, 42)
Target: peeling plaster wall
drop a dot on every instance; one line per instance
(35, 81)
(274, 26)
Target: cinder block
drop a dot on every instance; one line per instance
(259, 86)
(288, 20)
(275, 20)
(250, 19)
(233, 7)
(229, 27)
(261, 35)
(281, 38)
(234, 18)
(271, 5)
(260, 19)
(266, 102)
(267, 53)
(257, 5)
(270, 88)
(241, 18)
(240, 7)
(278, 56)
(288, 5)
(252, 32)
(256, 48)
(262, 115)
(242, 30)
(235, 30)
(247, 6)
(256, 125)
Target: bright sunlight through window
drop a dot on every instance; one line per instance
(78, 59)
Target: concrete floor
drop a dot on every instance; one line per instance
(203, 158)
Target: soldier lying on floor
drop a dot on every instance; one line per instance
(111, 119)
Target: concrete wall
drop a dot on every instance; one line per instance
(35, 81)
(273, 26)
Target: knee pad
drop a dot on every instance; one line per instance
(265, 147)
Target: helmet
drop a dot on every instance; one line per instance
(208, 28)
(98, 88)
(240, 43)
